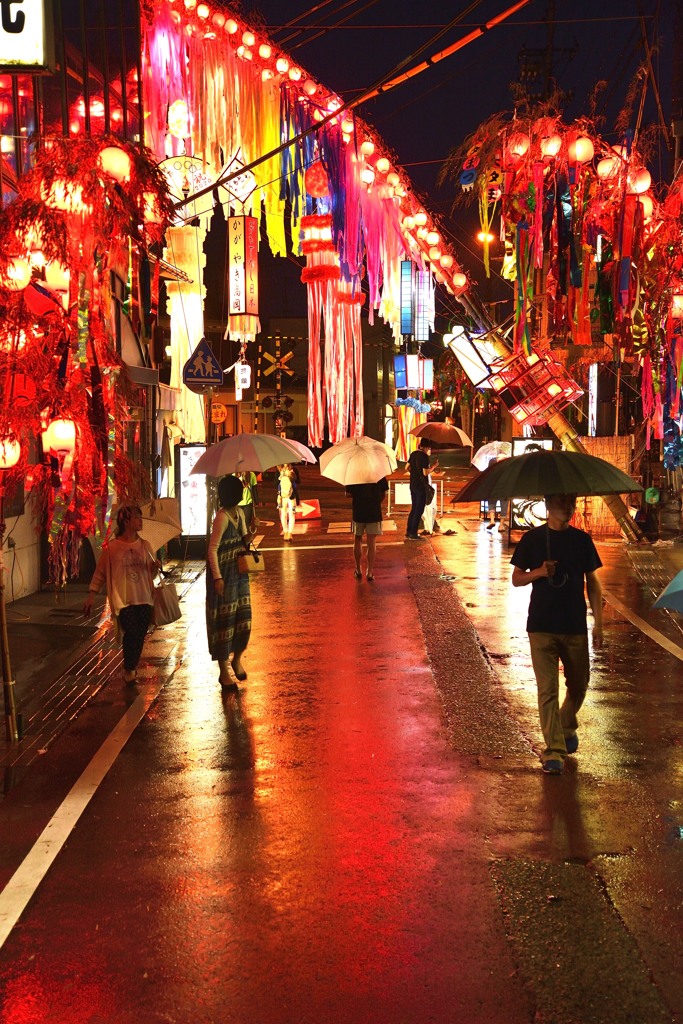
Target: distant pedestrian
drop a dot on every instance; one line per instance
(285, 501)
(127, 566)
(431, 507)
(228, 595)
(249, 502)
(555, 559)
(366, 512)
(418, 466)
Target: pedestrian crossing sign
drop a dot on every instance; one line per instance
(202, 370)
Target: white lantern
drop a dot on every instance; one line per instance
(60, 437)
(459, 281)
(367, 148)
(608, 168)
(116, 162)
(551, 145)
(581, 150)
(433, 237)
(57, 276)
(420, 218)
(639, 180)
(446, 261)
(383, 165)
(10, 452)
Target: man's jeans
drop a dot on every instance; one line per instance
(417, 497)
(547, 650)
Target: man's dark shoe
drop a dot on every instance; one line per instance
(571, 742)
(552, 767)
(412, 536)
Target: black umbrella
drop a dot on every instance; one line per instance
(538, 473)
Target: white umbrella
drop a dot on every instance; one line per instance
(160, 521)
(488, 452)
(305, 454)
(255, 452)
(357, 460)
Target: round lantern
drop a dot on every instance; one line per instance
(408, 223)
(231, 26)
(265, 51)
(57, 276)
(316, 180)
(383, 165)
(581, 150)
(639, 180)
(367, 148)
(434, 252)
(10, 452)
(518, 145)
(310, 88)
(347, 126)
(282, 65)
(459, 281)
(433, 237)
(647, 204)
(393, 179)
(17, 274)
(677, 306)
(608, 168)
(60, 436)
(551, 145)
(420, 218)
(367, 175)
(115, 161)
(446, 261)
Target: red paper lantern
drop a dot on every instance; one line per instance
(316, 180)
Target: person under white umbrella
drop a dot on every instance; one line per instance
(357, 460)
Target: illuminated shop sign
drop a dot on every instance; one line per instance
(26, 35)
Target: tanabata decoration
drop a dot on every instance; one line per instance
(593, 252)
(79, 214)
(213, 86)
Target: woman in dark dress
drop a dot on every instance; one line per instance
(228, 597)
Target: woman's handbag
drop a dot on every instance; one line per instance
(430, 494)
(250, 561)
(166, 604)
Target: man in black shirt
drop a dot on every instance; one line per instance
(366, 505)
(418, 463)
(555, 559)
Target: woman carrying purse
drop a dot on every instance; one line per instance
(128, 567)
(228, 595)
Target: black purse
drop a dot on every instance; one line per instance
(430, 493)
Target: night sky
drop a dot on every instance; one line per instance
(423, 119)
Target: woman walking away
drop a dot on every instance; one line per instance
(228, 597)
(285, 501)
(128, 567)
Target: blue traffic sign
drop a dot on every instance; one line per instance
(202, 369)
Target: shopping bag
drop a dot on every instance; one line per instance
(250, 561)
(166, 604)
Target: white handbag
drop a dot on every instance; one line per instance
(166, 604)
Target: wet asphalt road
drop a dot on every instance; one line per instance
(363, 833)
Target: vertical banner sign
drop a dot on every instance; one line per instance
(243, 266)
(422, 305)
(406, 297)
(236, 266)
(251, 265)
(26, 34)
